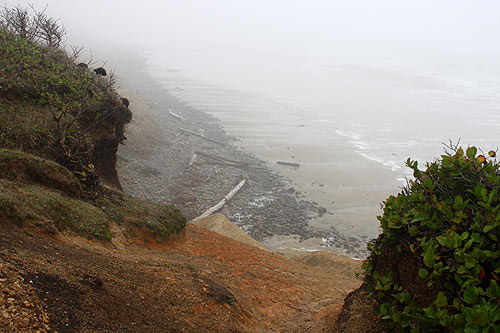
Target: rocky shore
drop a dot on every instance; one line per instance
(159, 166)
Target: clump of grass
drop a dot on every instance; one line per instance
(18, 166)
(161, 221)
(35, 206)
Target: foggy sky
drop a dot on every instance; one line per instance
(285, 27)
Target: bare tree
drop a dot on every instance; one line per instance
(112, 80)
(50, 31)
(18, 21)
(75, 52)
(32, 24)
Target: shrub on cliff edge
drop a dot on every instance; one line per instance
(436, 265)
(54, 109)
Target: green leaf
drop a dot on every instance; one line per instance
(384, 309)
(487, 228)
(396, 317)
(430, 312)
(412, 230)
(429, 257)
(480, 316)
(462, 270)
(468, 244)
(471, 152)
(470, 295)
(403, 297)
(422, 273)
(464, 236)
(459, 201)
(476, 237)
(444, 240)
(458, 321)
(441, 300)
(428, 183)
(493, 290)
(470, 263)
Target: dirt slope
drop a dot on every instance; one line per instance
(199, 282)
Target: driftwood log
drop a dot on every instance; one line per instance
(292, 164)
(221, 203)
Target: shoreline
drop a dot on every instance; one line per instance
(273, 208)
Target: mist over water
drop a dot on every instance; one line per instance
(386, 111)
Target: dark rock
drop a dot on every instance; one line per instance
(100, 71)
(125, 101)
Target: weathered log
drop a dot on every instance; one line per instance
(221, 203)
(292, 164)
(201, 136)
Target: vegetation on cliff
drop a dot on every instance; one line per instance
(55, 109)
(436, 265)
(60, 127)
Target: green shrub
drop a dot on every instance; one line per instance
(436, 266)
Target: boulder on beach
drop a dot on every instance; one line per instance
(222, 225)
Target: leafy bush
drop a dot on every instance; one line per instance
(436, 265)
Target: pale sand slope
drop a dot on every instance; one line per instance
(143, 131)
(220, 224)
